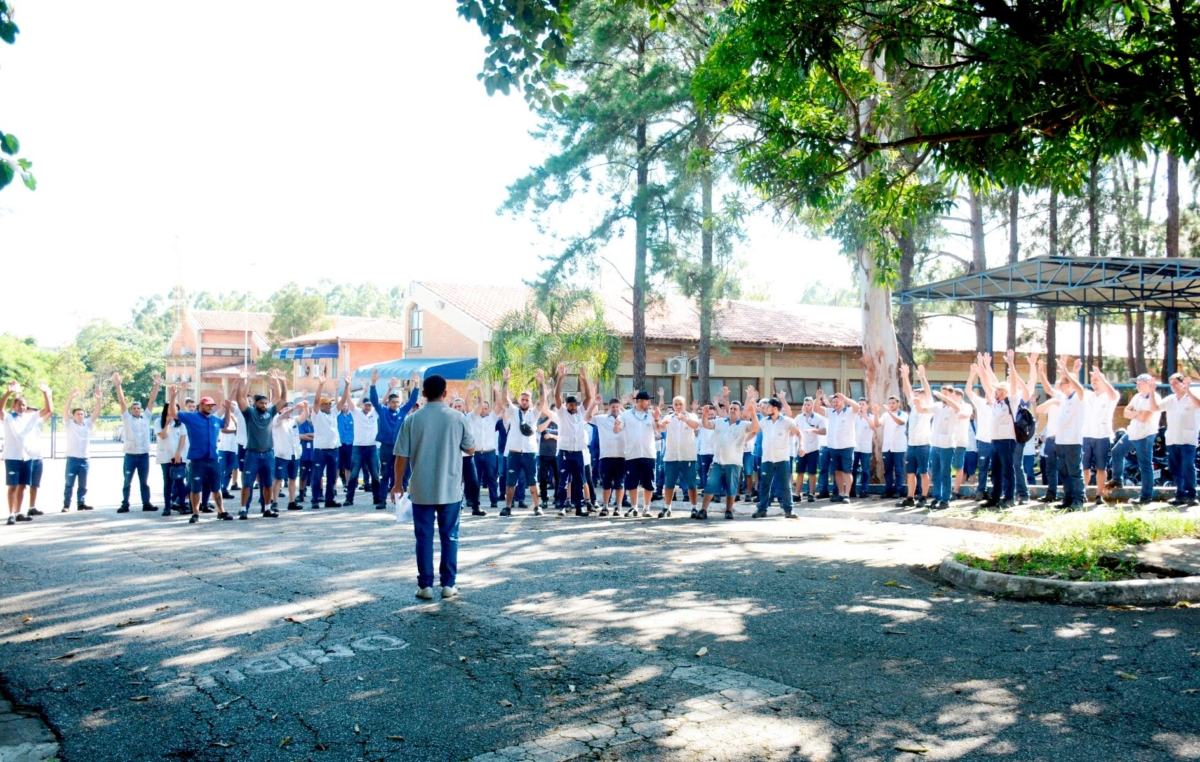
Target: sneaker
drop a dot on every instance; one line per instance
(537, 511)
(921, 502)
(578, 512)
(729, 515)
(166, 511)
(123, 509)
(506, 511)
(665, 512)
(271, 513)
(334, 504)
(1141, 501)
(703, 514)
(380, 506)
(349, 501)
(66, 508)
(226, 495)
(790, 515)
(760, 514)
(206, 508)
(907, 502)
(294, 506)
(603, 512)
(695, 512)
(425, 593)
(521, 504)
(493, 506)
(943, 505)
(225, 516)
(11, 519)
(22, 517)
(242, 514)
(82, 507)
(810, 498)
(316, 506)
(449, 591)
(1047, 499)
(194, 519)
(476, 511)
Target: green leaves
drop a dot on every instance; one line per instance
(9, 144)
(8, 31)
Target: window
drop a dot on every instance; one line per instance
(737, 387)
(416, 327)
(856, 390)
(799, 388)
(653, 383)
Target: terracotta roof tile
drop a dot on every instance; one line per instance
(353, 328)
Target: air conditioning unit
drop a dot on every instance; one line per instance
(677, 366)
(187, 379)
(174, 378)
(694, 366)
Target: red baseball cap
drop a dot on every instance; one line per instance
(207, 401)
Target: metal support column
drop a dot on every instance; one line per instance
(1171, 332)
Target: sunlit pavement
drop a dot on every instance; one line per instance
(141, 637)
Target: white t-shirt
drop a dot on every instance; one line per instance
(366, 426)
(612, 444)
(227, 442)
(572, 430)
(165, 448)
(945, 424)
(281, 437)
(895, 435)
(920, 428)
(1181, 419)
(777, 439)
(1052, 414)
(840, 428)
(962, 432)
(864, 435)
(983, 419)
(681, 438)
(325, 430)
(1003, 425)
(639, 433)
(79, 436)
(1070, 419)
(32, 441)
(1098, 416)
(706, 442)
(729, 439)
(16, 429)
(240, 424)
(1142, 429)
(483, 428)
(518, 442)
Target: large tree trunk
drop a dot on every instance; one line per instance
(1130, 357)
(1139, 336)
(707, 281)
(879, 360)
(907, 318)
(978, 264)
(1093, 214)
(1171, 317)
(1014, 251)
(1052, 312)
(641, 212)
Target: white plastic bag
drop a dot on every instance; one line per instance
(404, 513)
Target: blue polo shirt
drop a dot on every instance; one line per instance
(203, 431)
(306, 445)
(346, 428)
(390, 421)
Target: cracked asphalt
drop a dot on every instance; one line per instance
(143, 638)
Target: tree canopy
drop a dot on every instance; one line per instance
(10, 164)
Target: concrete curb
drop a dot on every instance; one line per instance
(1132, 592)
(24, 737)
(949, 522)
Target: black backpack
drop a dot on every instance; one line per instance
(1024, 424)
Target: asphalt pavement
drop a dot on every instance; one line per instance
(139, 637)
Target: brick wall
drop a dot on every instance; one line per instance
(441, 340)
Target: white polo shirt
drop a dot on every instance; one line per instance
(1070, 420)
(366, 426)
(281, 437)
(895, 435)
(325, 431)
(136, 433)
(864, 435)
(1098, 416)
(1142, 429)
(983, 419)
(962, 432)
(840, 428)
(706, 442)
(1181, 419)
(32, 441)
(227, 442)
(1003, 425)
(518, 442)
(79, 436)
(240, 424)
(776, 438)
(945, 424)
(920, 428)
(639, 433)
(483, 428)
(572, 430)
(166, 447)
(681, 438)
(729, 438)
(612, 444)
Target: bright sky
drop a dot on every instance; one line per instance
(245, 145)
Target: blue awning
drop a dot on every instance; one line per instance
(307, 353)
(450, 368)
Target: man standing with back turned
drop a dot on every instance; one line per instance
(434, 438)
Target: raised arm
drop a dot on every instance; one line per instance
(588, 397)
(172, 408)
(1102, 387)
(750, 411)
(345, 403)
(787, 409)
(926, 388)
(1072, 379)
(876, 418)
(239, 390)
(153, 394)
(316, 396)
(47, 401)
(543, 405)
(71, 395)
(947, 399)
(99, 394)
(505, 377)
(985, 378)
(1016, 383)
(411, 402)
(374, 395)
(819, 406)
(281, 396)
(852, 404)
(560, 376)
(117, 388)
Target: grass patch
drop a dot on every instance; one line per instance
(1074, 549)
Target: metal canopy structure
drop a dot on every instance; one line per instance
(1086, 282)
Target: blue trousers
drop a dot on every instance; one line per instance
(387, 471)
(1144, 450)
(1050, 477)
(1004, 478)
(325, 464)
(775, 480)
(175, 491)
(862, 472)
(1181, 459)
(139, 464)
(823, 472)
(1070, 472)
(941, 460)
(77, 473)
(893, 473)
(447, 526)
(704, 462)
(229, 465)
(364, 458)
(984, 450)
(485, 469)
